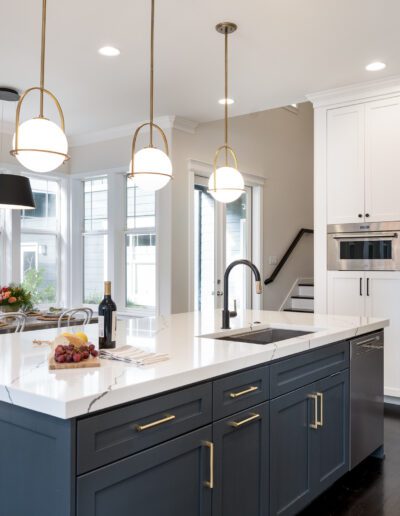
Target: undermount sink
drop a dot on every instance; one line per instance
(265, 336)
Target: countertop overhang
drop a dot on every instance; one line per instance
(26, 381)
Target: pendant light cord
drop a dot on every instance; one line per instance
(42, 56)
(226, 97)
(151, 73)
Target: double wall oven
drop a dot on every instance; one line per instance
(364, 247)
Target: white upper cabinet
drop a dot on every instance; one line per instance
(382, 160)
(363, 162)
(345, 165)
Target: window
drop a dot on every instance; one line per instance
(95, 239)
(140, 249)
(40, 243)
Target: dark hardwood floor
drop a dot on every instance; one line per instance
(371, 489)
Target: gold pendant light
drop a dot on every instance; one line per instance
(150, 167)
(226, 183)
(39, 144)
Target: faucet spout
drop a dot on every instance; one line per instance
(257, 277)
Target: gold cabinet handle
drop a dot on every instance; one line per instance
(165, 419)
(316, 422)
(238, 424)
(210, 483)
(242, 393)
(320, 396)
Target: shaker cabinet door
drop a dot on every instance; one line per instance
(169, 479)
(331, 441)
(291, 471)
(346, 293)
(382, 160)
(241, 463)
(345, 165)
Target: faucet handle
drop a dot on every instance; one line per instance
(233, 313)
(259, 288)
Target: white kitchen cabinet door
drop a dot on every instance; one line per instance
(382, 160)
(345, 165)
(383, 300)
(346, 291)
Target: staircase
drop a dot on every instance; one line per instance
(300, 297)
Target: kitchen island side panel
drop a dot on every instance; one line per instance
(37, 464)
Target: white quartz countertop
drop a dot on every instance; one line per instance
(26, 381)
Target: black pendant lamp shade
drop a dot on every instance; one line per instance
(16, 193)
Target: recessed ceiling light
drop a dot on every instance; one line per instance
(109, 51)
(375, 66)
(226, 101)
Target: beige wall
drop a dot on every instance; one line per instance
(277, 145)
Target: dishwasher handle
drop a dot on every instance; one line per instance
(367, 344)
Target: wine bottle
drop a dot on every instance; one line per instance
(107, 319)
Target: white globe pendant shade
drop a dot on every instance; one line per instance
(153, 169)
(42, 135)
(229, 185)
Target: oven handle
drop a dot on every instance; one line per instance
(366, 237)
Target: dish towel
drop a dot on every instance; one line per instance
(133, 355)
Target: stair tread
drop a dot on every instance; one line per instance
(306, 284)
(305, 310)
(302, 297)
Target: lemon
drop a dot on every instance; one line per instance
(82, 336)
(67, 334)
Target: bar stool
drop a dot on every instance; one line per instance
(18, 317)
(88, 314)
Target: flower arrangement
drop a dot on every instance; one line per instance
(15, 297)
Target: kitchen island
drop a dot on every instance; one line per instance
(216, 429)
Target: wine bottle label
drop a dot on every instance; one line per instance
(101, 326)
(114, 327)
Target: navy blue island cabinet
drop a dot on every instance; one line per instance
(263, 441)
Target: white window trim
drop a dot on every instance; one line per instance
(200, 168)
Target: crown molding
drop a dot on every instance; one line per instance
(122, 131)
(356, 92)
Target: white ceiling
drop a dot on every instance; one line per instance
(283, 50)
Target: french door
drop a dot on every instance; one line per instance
(222, 234)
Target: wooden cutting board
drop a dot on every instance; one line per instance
(89, 362)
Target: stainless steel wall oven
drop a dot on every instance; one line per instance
(364, 247)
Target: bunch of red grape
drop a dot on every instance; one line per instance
(71, 353)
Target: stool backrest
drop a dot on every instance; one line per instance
(86, 312)
(18, 318)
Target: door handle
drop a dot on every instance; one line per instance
(320, 421)
(210, 483)
(367, 286)
(361, 289)
(314, 424)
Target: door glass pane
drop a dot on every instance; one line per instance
(39, 266)
(141, 270)
(204, 245)
(237, 247)
(95, 267)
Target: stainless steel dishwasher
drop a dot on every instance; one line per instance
(366, 397)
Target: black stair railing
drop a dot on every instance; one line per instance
(285, 257)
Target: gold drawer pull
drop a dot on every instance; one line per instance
(210, 446)
(165, 419)
(320, 396)
(316, 422)
(242, 393)
(238, 424)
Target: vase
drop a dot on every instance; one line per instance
(9, 308)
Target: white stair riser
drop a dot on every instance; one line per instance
(302, 303)
(306, 291)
